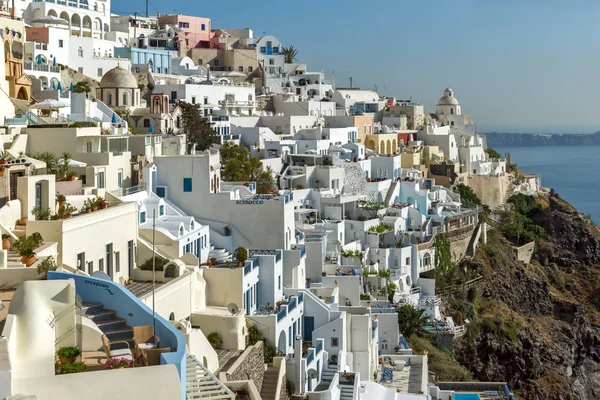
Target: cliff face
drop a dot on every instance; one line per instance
(538, 325)
(530, 139)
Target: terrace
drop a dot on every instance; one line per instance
(405, 373)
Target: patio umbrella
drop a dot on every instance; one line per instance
(151, 128)
(71, 87)
(53, 86)
(49, 105)
(50, 19)
(39, 60)
(59, 86)
(72, 163)
(114, 118)
(54, 62)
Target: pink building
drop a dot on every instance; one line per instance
(196, 30)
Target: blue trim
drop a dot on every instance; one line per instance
(115, 297)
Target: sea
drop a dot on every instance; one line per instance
(573, 172)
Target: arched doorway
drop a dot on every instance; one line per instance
(23, 95)
(282, 342)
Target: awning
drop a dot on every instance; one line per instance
(72, 163)
(50, 104)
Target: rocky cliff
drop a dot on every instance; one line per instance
(537, 326)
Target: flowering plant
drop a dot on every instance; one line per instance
(115, 363)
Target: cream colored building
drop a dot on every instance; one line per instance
(382, 143)
(119, 89)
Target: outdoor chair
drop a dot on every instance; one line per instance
(152, 356)
(120, 353)
(144, 339)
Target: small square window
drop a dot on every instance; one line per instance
(193, 99)
(203, 27)
(146, 123)
(99, 71)
(80, 70)
(334, 342)
(407, 260)
(249, 69)
(60, 43)
(241, 69)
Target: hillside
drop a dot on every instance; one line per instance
(538, 139)
(537, 326)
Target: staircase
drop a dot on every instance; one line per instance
(346, 392)
(113, 327)
(388, 197)
(221, 255)
(269, 386)
(14, 259)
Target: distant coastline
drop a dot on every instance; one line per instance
(542, 139)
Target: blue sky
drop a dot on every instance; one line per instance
(515, 65)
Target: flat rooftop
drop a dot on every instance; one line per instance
(141, 289)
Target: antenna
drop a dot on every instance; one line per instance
(350, 82)
(233, 308)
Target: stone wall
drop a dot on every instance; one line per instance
(249, 366)
(283, 394)
(524, 252)
(490, 190)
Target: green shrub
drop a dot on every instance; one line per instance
(291, 387)
(73, 368)
(83, 124)
(150, 86)
(214, 339)
(365, 296)
(269, 351)
(254, 335)
(440, 361)
(70, 351)
(361, 218)
(47, 265)
(160, 264)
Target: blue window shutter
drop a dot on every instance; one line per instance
(160, 191)
(187, 184)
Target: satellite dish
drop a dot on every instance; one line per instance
(233, 308)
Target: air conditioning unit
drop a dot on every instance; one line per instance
(183, 325)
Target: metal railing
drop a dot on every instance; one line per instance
(319, 347)
(281, 314)
(129, 190)
(310, 358)
(292, 305)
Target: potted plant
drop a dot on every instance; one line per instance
(2, 167)
(129, 281)
(73, 368)
(67, 211)
(88, 205)
(101, 204)
(41, 213)
(4, 156)
(68, 355)
(48, 264)
(61, 199)
(27, 257)
(241, 255)
(117, 363)
(323, 273)
(71, 176)
(214, 339)
(5, 241)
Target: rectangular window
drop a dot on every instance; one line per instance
(130, 255)
(90, 267)
(263, 50)
(205, 99)
(161, 210)
(275, 50)
(120, 178)
(279, 282)
(100, 180)
(173, 95)
(271, 61)
(88, 147)
(80, 70)
(193, 99)
(101, 264)
(334, 342)
(249, 69)
(142, 217)
(146, 123)
(99, 71)
(203, 27)
(118, 261)
(81, 261)
(60, 43)
(241, 68)
(161, 191)
(80, 52)
(187, 185)
(407, 260)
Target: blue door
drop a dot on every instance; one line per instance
(309, 326)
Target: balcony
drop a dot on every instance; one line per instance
(300, 247)
(276, 253)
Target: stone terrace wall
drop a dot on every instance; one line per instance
(524, 252)
(249, 366)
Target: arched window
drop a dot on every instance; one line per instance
(125, 99)
(109, 99)
(451, 110)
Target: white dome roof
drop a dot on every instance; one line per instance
(448, 98)
(118, 78)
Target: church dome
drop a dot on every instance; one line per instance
(118, 78)
(448, 98)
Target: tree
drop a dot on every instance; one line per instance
(411, 321)
(240, 166)
(493, 153)
(289, 54)
(197, 128)
(49, 159)
(81, 87)
(445, 268)
(468, 197)
(372, 207)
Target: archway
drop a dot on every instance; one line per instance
(52, 13)
(171, 271)
(172, 317)
(76, 24)
(64, 15)
(37, 13)
(23, 95)
(87, 25)
(388, 148)
(381, 147)
(394, 147)
(282, 342)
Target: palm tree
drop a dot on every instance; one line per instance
(290, 54)
(49, 158)
(411, 321)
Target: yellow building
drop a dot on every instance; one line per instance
(365, 124)
(13, 35)
(382, 143)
